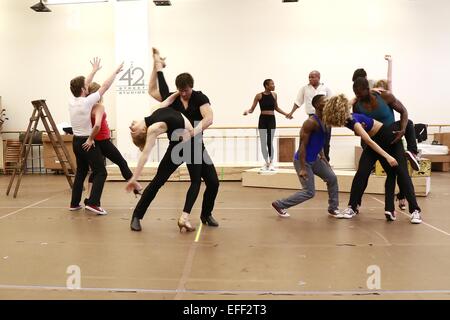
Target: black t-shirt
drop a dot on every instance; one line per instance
(192, 112)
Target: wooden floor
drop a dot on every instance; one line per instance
(254, 254)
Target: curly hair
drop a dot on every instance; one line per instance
(336, 111)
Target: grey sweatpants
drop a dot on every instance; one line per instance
(322, 170)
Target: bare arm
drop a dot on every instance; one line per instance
(97, 111)
(277, 108)
(152, 133)
(144, 156)
(170, 100)
(294, 108)
(255, 102)
(153, 89)
(389, 71)
(207, 120)
(298, 102)
(305, 133)
(95, 67)
(359, 130)
(108, 82)
(400, 108)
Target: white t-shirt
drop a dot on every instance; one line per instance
(80, 113)
(307, 93)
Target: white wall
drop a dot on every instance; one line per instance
(231, 46)
(42, 52)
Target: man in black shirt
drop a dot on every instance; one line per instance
(196, 107)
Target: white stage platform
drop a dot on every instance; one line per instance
(284, 178)
(288, 179)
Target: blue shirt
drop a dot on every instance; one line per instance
(365, 121)
(315, 143)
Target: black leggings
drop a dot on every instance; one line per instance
(266, 126)
(85, 159)
(205, 170)
(162, 86)
(410, 137)
(109, 150)
(368, 158)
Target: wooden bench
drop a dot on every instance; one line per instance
(440, 162)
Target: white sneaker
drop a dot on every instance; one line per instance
(265, 167)
(390, 216)
(415, 217)
(271, 167)
(97, 210)
(348, 213)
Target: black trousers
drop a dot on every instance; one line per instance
(410, 136)
(266, 127)
(411, 145)
(109, 150)
(205, 169)
(85, 159)
(162, 86)
(384, 138)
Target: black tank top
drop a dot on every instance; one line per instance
(173, 119)
(267, 102)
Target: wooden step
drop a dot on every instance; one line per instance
(225, 172)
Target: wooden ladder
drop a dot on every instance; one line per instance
(41, 111)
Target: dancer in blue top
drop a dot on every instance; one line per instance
(310, 160)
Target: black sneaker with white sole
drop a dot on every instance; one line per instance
(413, 160)
(335, 213)
(280, 211)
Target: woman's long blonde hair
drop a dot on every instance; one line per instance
(336, 111)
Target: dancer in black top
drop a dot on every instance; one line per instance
(144, 134)
(267, 123)
(197, 109)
